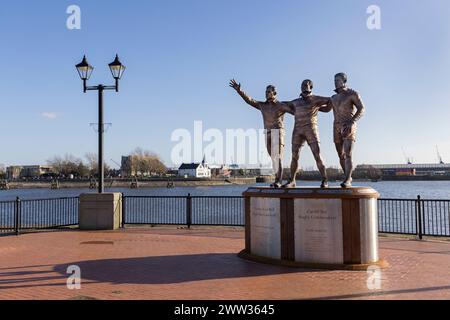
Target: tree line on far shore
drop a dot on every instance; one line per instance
(146, 163)
(71, 165)
(142, 163)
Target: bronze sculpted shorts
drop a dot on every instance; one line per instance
(304, 134)
(338, 135)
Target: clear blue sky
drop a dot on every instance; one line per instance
(181, 54)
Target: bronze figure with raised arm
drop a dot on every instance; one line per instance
(273, 112)
(306, 109)
(348, 108)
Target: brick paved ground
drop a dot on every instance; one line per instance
(168, 263)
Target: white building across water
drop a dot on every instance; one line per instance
(194, 170)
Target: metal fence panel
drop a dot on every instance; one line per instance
(224, 211)
(397, 216)
(48, 213)
(418, 217)
(155, 210)
(7, 222)
(436, 217)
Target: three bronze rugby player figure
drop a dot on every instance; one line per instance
(347, 108)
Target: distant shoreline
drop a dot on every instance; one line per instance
(417, 178)
(180, 182)
(111, 183)
(387, 178)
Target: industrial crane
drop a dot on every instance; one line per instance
(115, 162)
(408, 159)
(439, 156)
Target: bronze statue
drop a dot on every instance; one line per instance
(344, 104)
(273, 115)
(306, 109)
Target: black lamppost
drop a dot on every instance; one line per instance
(85, 70)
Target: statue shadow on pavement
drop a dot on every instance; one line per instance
(173, 269)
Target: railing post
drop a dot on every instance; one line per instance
(17, 213)
(189, 211)
(419, 217)
(123, 210)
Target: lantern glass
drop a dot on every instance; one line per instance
(84, 69)
(117, 68)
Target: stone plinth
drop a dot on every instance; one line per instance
(100, 211)
(312, 227)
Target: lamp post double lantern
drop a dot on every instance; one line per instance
(85, 71)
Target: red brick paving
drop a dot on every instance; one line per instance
(166, 263)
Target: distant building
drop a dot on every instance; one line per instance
(172, 171)
(127, 169)
(220, 171)
(236, 170)
(257, 172)
(13, 172)
(407, 169)
(35, 171)
(194, 170)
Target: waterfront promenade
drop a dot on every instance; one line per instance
(167, 263)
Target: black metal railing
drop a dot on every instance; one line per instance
(223, 211)
(49, 213)
(418, 217)
(398, 216)
(181, 210)
(8, 217)
(435, 217)
(154, 210)
(414, 216)
(21, 215)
